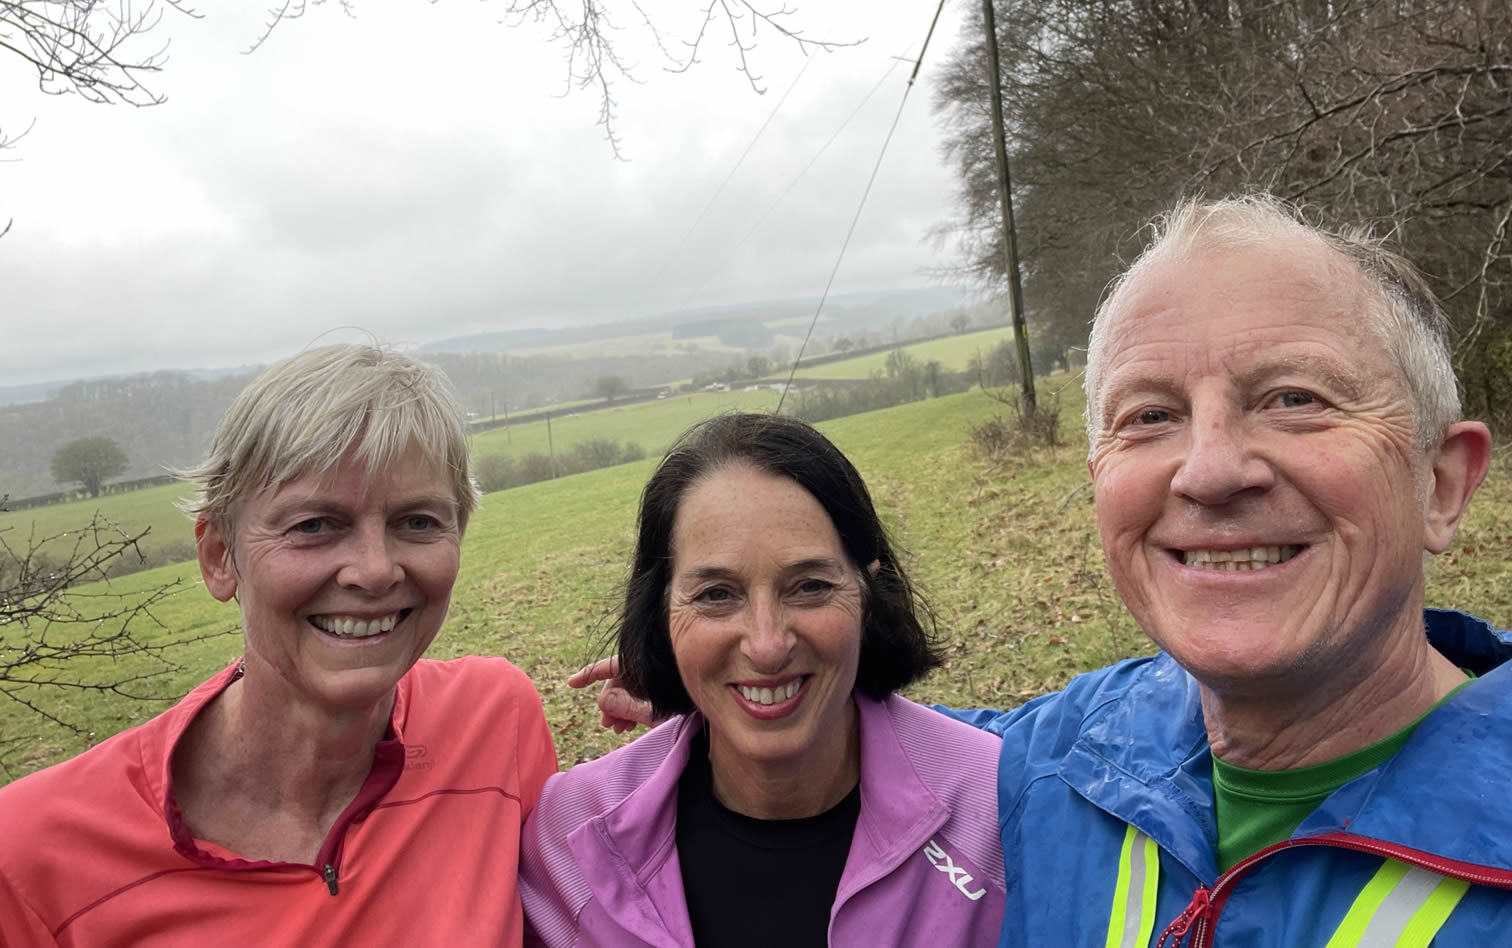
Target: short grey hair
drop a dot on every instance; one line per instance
(305, 414)
(1403, 310)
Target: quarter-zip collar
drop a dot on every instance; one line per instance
(388, 765)
(645, 886)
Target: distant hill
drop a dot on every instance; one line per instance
(850, 312)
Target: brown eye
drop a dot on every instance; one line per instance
(1296, 399)
(1152, 416)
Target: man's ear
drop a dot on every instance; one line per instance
(215, 563)
(1458, 469)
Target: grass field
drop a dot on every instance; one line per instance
(653, 425)
(952, 352)
(132, 511)
(1008, 555)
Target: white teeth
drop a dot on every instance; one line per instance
(1256, 557)
(349, 628)
(770, 695)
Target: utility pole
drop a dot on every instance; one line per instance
(550, 448)
(1005, 193)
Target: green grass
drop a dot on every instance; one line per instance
(133, 511)
(952, 352)
(653, 425)
(1007, 554)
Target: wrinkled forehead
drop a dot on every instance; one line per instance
(1219, 299)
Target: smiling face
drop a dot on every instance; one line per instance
(342, 584)
(764, 611)
(1259, 494)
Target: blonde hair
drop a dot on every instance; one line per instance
(1403, 310)
(306, 413)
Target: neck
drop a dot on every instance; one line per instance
(280, 755)
(1348, 709)
(790, 789)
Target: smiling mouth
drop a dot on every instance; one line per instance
(775, 695)
(1253, 558)
(349, 627)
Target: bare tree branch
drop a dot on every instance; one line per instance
(65, 628)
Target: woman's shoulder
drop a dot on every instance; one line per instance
(926, 732)
(593, 787)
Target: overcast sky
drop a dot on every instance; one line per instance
(418, 172)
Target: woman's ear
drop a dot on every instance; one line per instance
(873, 568)
(213, 549)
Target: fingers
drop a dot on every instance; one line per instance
(601, 670)
(617, 704)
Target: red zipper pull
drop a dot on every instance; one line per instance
(1200, 906)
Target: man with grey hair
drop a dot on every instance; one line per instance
(1312, 759)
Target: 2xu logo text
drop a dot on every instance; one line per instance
(962, 880)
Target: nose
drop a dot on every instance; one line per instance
(370, 564)
(768, 642)
(1220, 464)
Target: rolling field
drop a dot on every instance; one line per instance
(651, 424)
(952, 352)
(132, 511)
(1007, 555)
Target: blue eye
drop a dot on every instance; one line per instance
(421, 522)
(715, 594)
(1295, 399)
(310, 526)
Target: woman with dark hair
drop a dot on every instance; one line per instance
(792, 799)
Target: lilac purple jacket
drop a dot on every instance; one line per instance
(598, 860)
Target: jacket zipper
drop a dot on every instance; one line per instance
(329, 874)
(1201, 914)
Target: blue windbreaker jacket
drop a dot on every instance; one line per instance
(1105, 801)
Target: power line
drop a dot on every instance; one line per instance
(751, 232)
(729, 177)
(859, 208)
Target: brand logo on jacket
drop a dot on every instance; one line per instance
(959, 877)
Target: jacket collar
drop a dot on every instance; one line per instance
(1144, 758)
(628, 855)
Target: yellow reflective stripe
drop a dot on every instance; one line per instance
(1357, 919)
(1402, 906)
(1427, 920)
(1132, 918)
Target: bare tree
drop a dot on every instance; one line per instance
(1392, 112)
(586, 31)
(93, 48)
(89, 48)
(60, 636)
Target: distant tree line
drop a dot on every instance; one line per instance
(501, 471)
(903, 379)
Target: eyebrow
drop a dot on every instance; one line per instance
(724, 572)
(1121, 389)
(319, 506)
(1333, 374)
